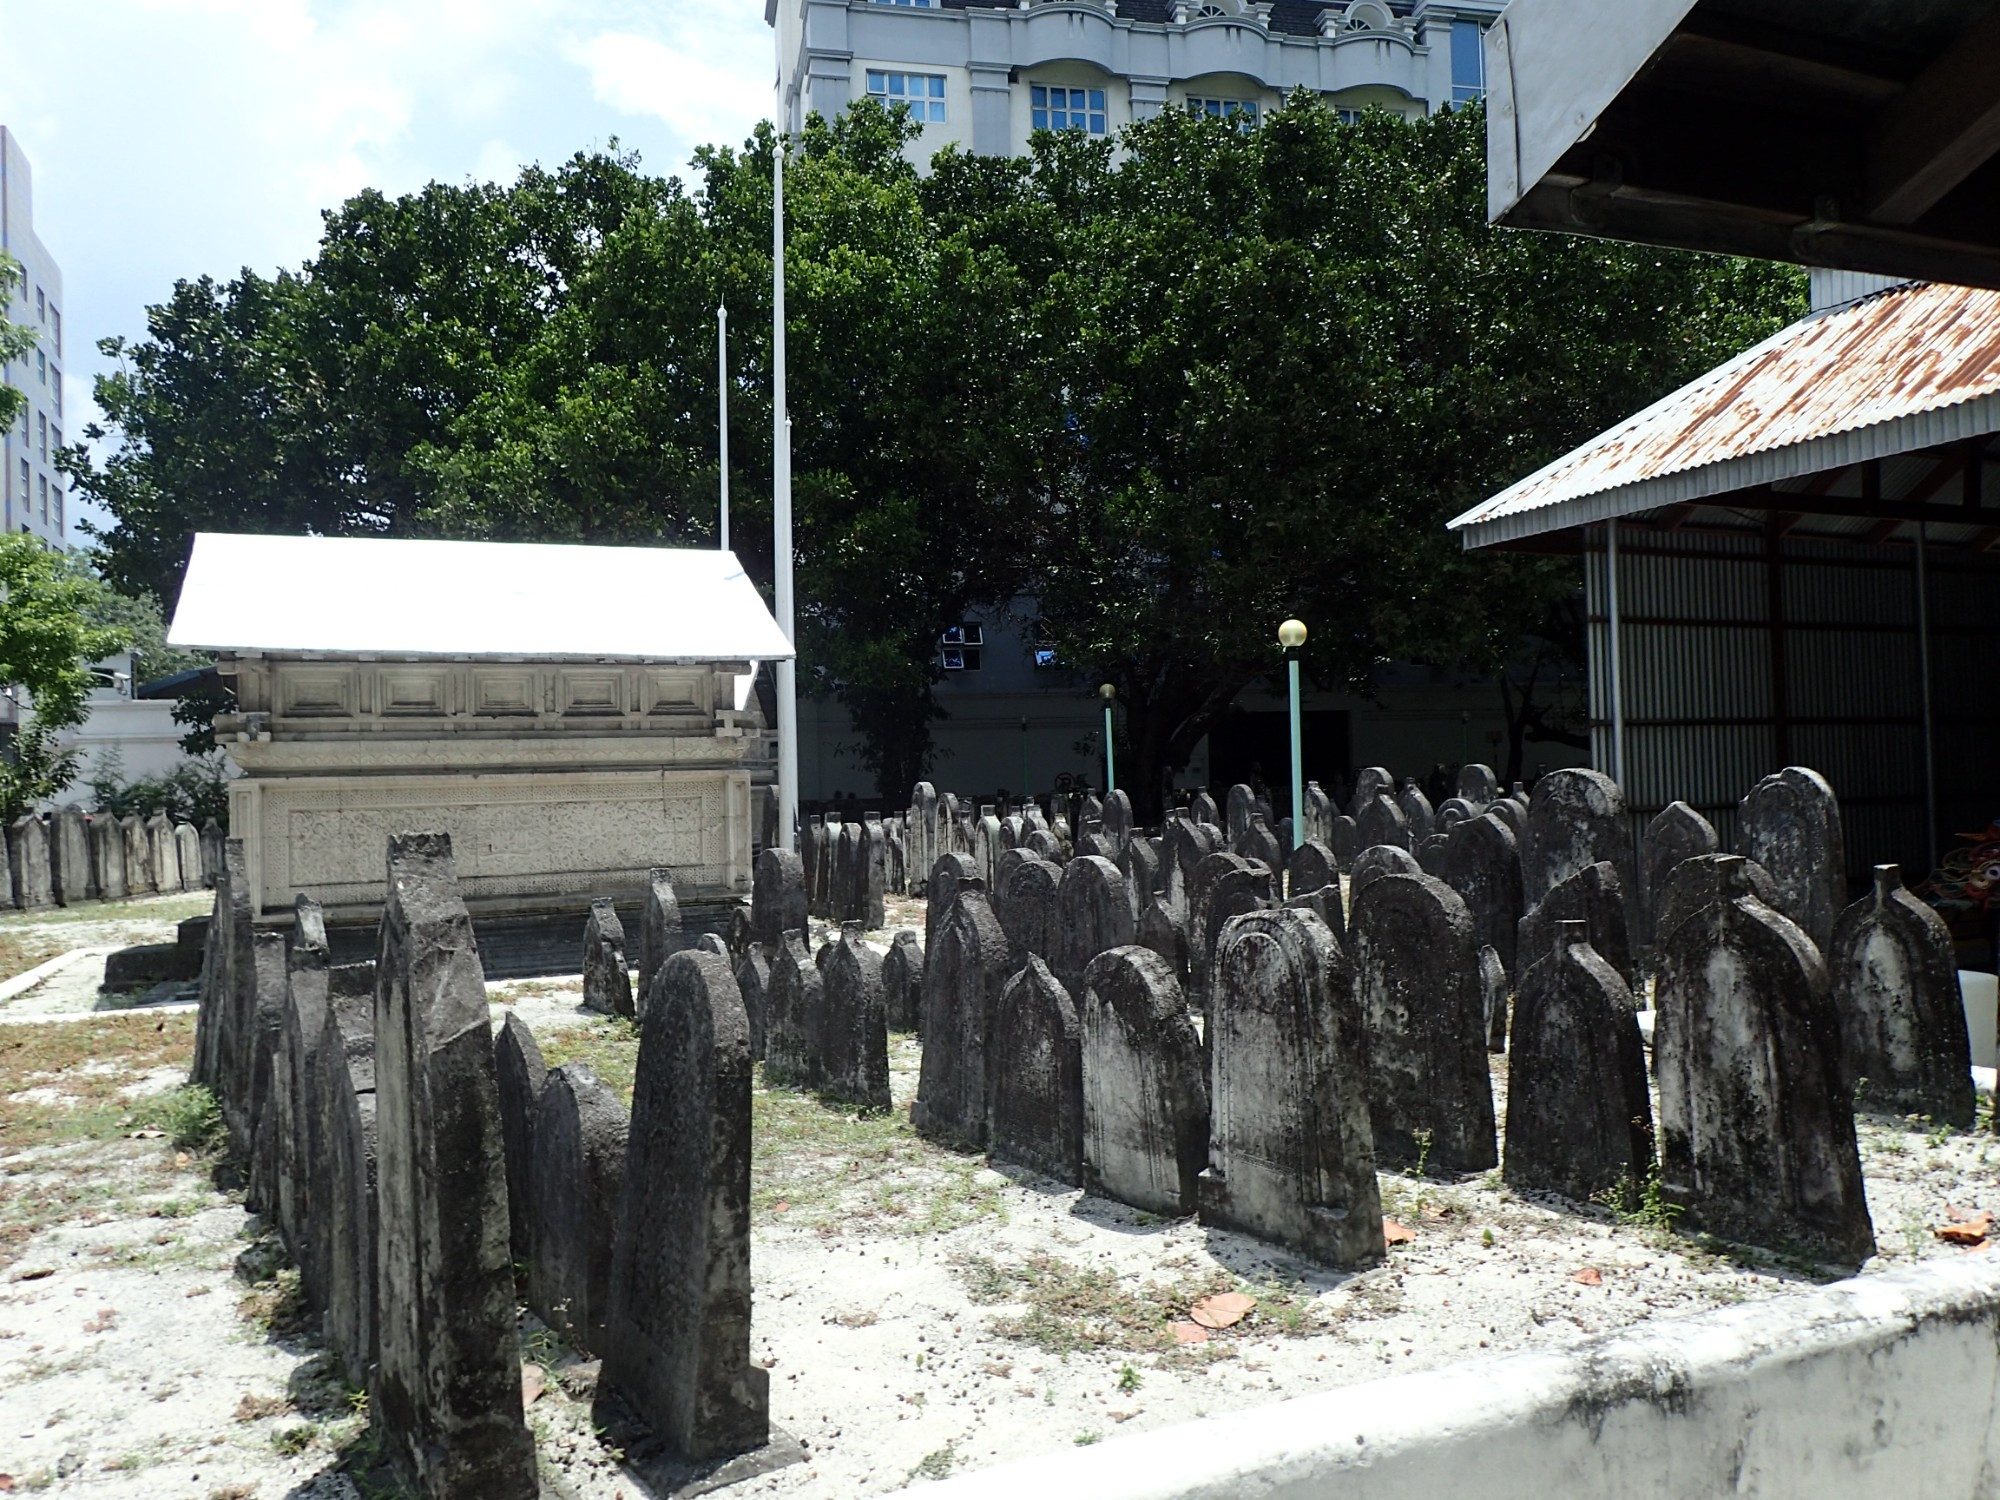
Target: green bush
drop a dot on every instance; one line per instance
(193, 792)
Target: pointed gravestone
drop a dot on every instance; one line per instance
(1036, 1060)
(1579, 1119)
(845, 904)
(69, 848)
(1026, 907)
(872, 877)
(753, 982)
(1377, 860)
(576, 1186)
(1591, 896)
(1756, 1122)
(447, 1389)
(344, 1127)
(964, 968)
(795, 1015)
(1417, 975)
(677, 1341)
(1677, 832)
(1902, 1022)
(659, 927)
(1493, 991)
(1291, 1154)
(1381, 821)
(256, 1118)
(519, 1076)
(1145, 1103)
(1790, 824)
(29, 864)
(810, 838)
(854, 1041)
(1093, 914)
(903, 982)
(139, 877)
(1417, 812)
(1576, 819)
(607, 979)
(1482, 862)
(165, 853)
(301, 1218)
(1478, 785)
(950, 871)
(107, 854)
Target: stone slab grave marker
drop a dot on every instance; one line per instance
(139, 879)
(1145, 1105)
(1093, 914)
(211, 852)
(903, 981)
(777, 896)
(1577, 818)
(69, 849)
(1381, 821)
(1377, 860)
(920, 841)
(1790, 824)
(1188, 843)
(846, 901)
(1345, 840)
(677, 1343)
(951, 870)
(1511, 812)
(165, 853)
(1238, 803)
(1482, 862)
(607, 979)
(753, 982)
(107, 854)
(1036, 1058)
(576, 1186)
(1142, 872)
(228, 990)
(1319, 814)
(1417, 811)
(1311, 868)
(447, 1389)
(795, 1016)
(1592, 896)
(257, 1115)
(660, 924)
(1202, 809)
(986, 845)
(1455, 810)
(1579, 1119)
(872, 877)
(1225, 885)
(1291, 1153)
(1493, 991)
(344, 1126)
(964, 970)
(1478, 785)
(1370, 782)
(1163, 932)
(1902, 1021)
(1260, 844)
(854, 1044)
(29, 864)
(810, 837)
(187, 853)
(1756, 1121)
(1677, 832)
(1026, 906)
(1417, 975)
(1117, 820)
(300, 1180)
(519, 1075)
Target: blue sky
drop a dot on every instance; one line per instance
(173, 138)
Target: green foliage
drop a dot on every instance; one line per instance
(16, 341)
(192, 1118)
(193, 792)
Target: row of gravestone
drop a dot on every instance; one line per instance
(66, 857)
(409, 1158)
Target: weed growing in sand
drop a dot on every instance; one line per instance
(610, 1046)
(1129, 1379)
(1085, 1439)
(190, 1115)
(937, 1463)
(1643, 1204)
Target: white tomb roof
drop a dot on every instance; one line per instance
(400, 597)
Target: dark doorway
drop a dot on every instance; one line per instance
(1256, 748)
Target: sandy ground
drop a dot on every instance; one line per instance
(919, 1312)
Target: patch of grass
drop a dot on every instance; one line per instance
(191, 1115)
(276, 1307)
(1641, 1205)
(293, 1440)
(1085, 1439)
(22, 951)
(173, 908)
(937, 1463)
(76, 1070)
(610, 1046)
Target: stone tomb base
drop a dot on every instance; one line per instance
(659, 1475)
(532, 945)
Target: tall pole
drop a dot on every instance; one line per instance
(781, 505)
(1298, 762)
(1109, 693)
(1924, 694)
(722, 418)
(1617, 695)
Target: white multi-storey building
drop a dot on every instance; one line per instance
(32, 490)
(986, 74)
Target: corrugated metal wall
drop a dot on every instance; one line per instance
(1740, 655)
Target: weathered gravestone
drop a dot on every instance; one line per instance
(1493, 988)
(1117, 820)
(1591, 896)
(29, 865)
(187, 856)
(447, 1389)
(964, 968)
(753, 983)
(1093, 914)
(1145, 1099)
(211, 852)
(777, 896)
(607, 979)
(229, 976)
(1202, 809)
(107, 856)
(1478, 785)
(1381, 822)
(1260, 844)
(986, 845)
(1431, 854)
(519, 1075)
(1482, 863)
(903, 982)
(344, 1126)
(854, 1041)
(1511, 812)
(1756, 1122)
(1576, 819)
(1141, 869)
(1417, 812)
(1044, 844)
(139, 875)
(1165, 934)
(1370, 782)
(1225, 886)
(1036, 1061)
(711, 942)
(1377, 860)
(1319, 815)
(1790, 824)
(165, 853)
(1187, 844)
(1902, 1022)
(1579, 1120)
(1238, 803)
(660, 927)
(1417, 974)
(811, 837)
(257, 1118)
(576, 1186)
(1677, 832)
(69, 851)
(677, 1342)
(301, 1219)
(846, 872)
(1026, 906)
(950, 871)
(871, 882)
(1312, 868)
(1345, 841)
(920, 847)
(1453, 811)
(795, 1016)
(1291, 1154)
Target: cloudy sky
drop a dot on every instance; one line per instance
(173, 138)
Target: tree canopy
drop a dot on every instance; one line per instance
(1172, 392)
(17, 341)
(47, 642)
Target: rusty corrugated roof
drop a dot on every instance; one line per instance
(1907, 368)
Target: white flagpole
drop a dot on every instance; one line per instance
(722, 417)
(781, 504)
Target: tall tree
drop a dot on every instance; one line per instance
(17, 340)
(47, 645)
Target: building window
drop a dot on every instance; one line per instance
(41, 367)
(1468, 64)
(1067, 109)
(57, 376)
(45, 496)
(913, 4)
(921, 93)
(42, 433)
(24, 484)
(961, 648)
(59, 520)
(55, 326)
(1242, 111)
(41, 305)
(58, 438)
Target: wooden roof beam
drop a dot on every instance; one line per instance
(1944, 127)
(1881, 531)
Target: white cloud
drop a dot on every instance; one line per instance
(709, 78)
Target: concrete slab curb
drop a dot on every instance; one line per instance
(20, 984)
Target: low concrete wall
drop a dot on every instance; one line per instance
(1884, 1385)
